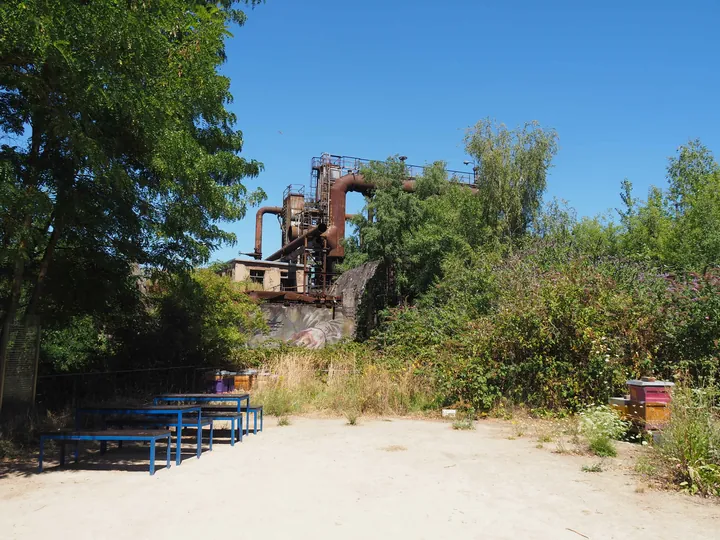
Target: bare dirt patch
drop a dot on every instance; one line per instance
(394, 448)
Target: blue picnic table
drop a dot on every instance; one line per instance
(175, 411)
(237, 399)
(205, 398)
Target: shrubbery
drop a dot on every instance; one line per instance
(559, 330)
(690, 443)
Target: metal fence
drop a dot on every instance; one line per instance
(59, 390)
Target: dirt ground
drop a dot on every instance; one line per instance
(322, 479)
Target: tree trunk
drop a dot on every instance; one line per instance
(42, 272)
(11, 309)
(13, 300)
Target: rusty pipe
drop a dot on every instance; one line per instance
(338, 194)
(257, 254)
(299, 241)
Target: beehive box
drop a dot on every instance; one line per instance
(620, 404)
(649, 415)
(650, 391)
(244, 382)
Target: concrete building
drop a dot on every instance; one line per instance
(271, 275)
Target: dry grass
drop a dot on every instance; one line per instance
(307, 381)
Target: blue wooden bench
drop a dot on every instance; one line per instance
(63, 437)
(232, 416)
(157, 422)
(255, 410)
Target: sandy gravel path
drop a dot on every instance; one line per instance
(321, 479)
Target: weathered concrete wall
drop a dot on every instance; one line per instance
(241, 273)
(364, 293)
(316, 326)
(271, 279)
(303, 324)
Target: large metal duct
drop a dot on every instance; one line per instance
(338, 195)
(277, 210)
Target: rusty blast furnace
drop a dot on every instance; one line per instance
(313, 221)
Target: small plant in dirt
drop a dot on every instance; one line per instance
(595, 467)
(644, 465)
(278, 401)
(283, 421)
(352, 417)
(467, 422)
(601, 426)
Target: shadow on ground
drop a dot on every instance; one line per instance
(132, 457)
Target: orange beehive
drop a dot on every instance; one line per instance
(649, 415)
(243, 382)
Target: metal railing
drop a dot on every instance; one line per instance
(349, 164)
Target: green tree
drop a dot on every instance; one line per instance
(413, 233)
(122, 147)
(201, 318)
(511, 173)
(678, 228)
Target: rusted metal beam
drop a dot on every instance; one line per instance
(287, 249)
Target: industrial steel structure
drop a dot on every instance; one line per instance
(312, 221)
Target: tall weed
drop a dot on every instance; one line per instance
(690, 443)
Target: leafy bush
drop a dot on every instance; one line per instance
(600, 426)
(690, 443)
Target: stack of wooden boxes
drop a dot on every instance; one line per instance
(647, 405)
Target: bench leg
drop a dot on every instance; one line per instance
(62, 453)
(103, 447)
(152, 456)
(77, 450)
(178, 439)
(169, 448)
(261, 419)
(211, 434)
(199, 438)
(255, 422)
(42, 453)
(240, 431)
(232, 431)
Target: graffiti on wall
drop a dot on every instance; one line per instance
(306, 325)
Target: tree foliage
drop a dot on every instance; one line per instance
(511, 173)
(413, 233)
(118, 146)
(186, 319)
(560, 313)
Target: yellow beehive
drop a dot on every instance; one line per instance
(620, 404)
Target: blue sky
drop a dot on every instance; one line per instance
(623, 83)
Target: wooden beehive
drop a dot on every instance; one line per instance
(244, 382)
(649, 415)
